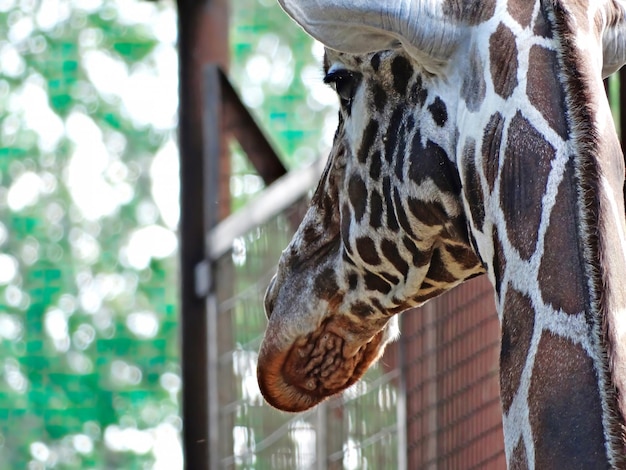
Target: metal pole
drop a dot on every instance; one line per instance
(212, 152)
(192, 247)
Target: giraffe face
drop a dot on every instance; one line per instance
(385, 232)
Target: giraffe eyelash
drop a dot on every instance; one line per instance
(344, 82)
(335, 74)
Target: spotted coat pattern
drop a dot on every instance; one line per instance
(492, 165)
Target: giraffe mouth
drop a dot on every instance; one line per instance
(315, 367)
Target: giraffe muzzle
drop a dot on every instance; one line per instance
(315, 367)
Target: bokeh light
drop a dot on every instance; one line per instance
(88, 219)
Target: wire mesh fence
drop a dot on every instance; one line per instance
(431, 402)
(357, 430)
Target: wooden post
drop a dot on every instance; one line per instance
(203, 35)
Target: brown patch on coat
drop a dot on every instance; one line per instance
(366, 249)
(562, 277)
(565, 407)
(357, 193)
(390, 251)
(492, 140)
(503, 61)
(325, 285)
(518, 323)
(527, 164)
(499, 262)
(521, 11)
(544, 89)
(472, 187)
(438, 270)
(543, 27)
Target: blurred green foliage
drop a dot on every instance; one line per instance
(89, 369)
(277, 69)
(89, 373)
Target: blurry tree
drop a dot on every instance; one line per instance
(88, 211)
(277, 68)
(89, 373)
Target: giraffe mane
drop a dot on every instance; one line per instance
(587, 144)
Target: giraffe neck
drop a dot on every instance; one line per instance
(602, 230)
(560, 280)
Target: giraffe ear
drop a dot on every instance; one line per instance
(361, 26)
(614, 48)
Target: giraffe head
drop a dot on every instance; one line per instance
(394, 220)
(385, 230)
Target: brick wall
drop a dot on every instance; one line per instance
(450, 350)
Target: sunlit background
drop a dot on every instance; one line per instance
(89, 352)
(89, 372)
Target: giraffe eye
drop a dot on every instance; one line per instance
(344, 82)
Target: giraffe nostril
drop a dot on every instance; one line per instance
(269, 298)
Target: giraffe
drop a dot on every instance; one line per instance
(473, 137)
